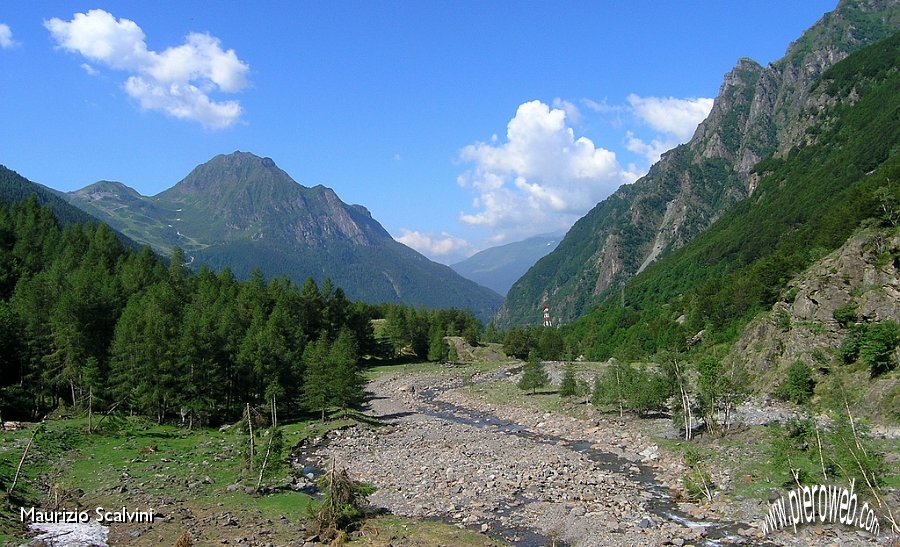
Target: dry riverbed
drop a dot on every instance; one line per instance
(531, 477)
(529, 489)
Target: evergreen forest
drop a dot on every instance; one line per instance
(89, 322)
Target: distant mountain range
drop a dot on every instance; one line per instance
(499, 267)
(242, 211)
(760, 112)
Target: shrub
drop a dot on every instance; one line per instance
(630, 388)
(782, 320)
(846, 314)
(799, 385)
(877, 346)
(697, 480)
(342, 505)
(849, 350)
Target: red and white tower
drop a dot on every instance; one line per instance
(547, 321)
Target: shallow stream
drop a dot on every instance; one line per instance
(660, 505)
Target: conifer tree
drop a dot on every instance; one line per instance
(534, 375)
(317, 379)
(348, 381)
(569, 385)
(437, 348)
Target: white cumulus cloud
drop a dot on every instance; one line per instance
(678, 117)
(434, 246)
(541, 179)
(652, 150)
(572, 112)
(674, 119)
(178, 80)
(6, 37)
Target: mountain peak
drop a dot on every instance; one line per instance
(102, 187)
(225, 174)
(241, 210)
(758, 112)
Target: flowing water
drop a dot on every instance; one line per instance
(660, 504)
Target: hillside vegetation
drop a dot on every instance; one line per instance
(806, 205)
(759, 113)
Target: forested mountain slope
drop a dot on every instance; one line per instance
(241, 211)
(760, 111)
(14, 187)
(843, 172)
(499, 267)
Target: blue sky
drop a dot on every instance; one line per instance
(460, 124)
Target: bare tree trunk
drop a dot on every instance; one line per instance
(250, 425)
(108, 412)
(688, 418)
(24, 455)
(619, 393)
(685, 401)
(91, 410)
(873, 487)
(269, 447)
(727, 409)
(819, 443)
(274, 412)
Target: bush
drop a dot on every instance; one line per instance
(697, 480)
(849, 350)
(877, 347)
(629, 388)
(799, 385)
(790, 450)
(782, 320)
(846, 314)
(342, 505)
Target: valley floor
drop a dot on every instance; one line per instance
(465, 446)
(460, 457)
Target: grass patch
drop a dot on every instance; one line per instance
(465, 369)
(387, 530)
(142, 462)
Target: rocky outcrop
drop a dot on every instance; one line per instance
(864, 273)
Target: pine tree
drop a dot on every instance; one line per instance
(317, 378)
(534, 375)
(348, 381)
(437, 348)
(569, 385)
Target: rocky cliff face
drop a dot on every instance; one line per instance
(865, 273)
(758, 112)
